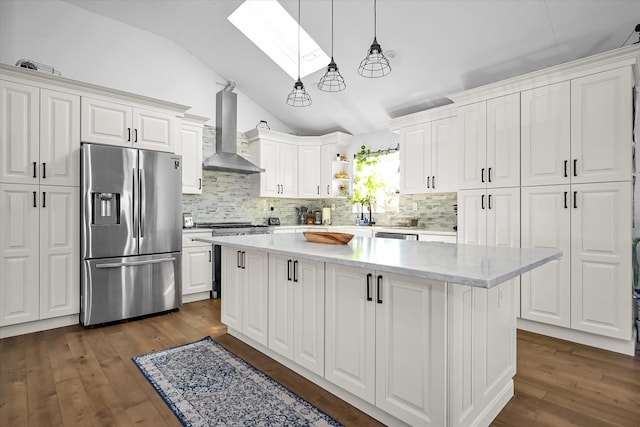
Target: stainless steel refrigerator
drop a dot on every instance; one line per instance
(131, 233)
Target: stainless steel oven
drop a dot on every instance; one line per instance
(401, 236)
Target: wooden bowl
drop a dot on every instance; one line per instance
(328, 237)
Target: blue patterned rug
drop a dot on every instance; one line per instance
(205, 385)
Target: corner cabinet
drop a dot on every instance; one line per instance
(189, 146)
(245, 287)
(113, 123)
(280, 162)
(381, 329)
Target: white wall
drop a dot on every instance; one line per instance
(94, 49)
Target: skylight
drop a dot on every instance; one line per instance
(275, 32)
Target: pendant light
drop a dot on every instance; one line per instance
(299, 96)
(332, 81)
(375, 64)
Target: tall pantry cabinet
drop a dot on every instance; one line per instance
(39, 203)
(578, 198)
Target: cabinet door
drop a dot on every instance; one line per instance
(153, 130)
(59, 138)
(601, 259)
(106, 122)
(19, 260)
(545, 135)
(308, 171)
(59, 251)
(191, 151)
(546, 290)
(503, 141)
(281, 322)
(197, 263)
(410, 324)
(444, 156)
(472, 217)
(255, 266)
(601, 126)
(269, 160)
(288, 170)
(231, 287)
(327, 155)
(350, 330)
(19, 133)
(472, 128)
(503, 217)
(415, 159)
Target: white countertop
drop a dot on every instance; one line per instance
(466, 264)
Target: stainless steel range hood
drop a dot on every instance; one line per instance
(226, 158)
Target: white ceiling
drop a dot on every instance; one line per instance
(442, 47)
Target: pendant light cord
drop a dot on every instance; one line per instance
(331, 29)
(375, 19)
(298, 39)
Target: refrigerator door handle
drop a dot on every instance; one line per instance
(134, 263)
(143, 202)
(134, 205)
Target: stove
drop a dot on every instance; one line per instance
(228, 229)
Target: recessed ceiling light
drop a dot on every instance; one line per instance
(268, 25)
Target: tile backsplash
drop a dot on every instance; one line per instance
(226, 198)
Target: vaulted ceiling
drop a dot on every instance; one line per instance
(441, 47)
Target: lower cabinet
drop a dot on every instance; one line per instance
(197, 264)
(296, 310)
(39, 252)
(244, 285)
(381, 332)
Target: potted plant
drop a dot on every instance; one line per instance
(367, 183)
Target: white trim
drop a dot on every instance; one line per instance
(39, 325)
(198, 296)
(444, 112)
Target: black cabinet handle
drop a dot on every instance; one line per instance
(482, 177)
(483, 201)
(379, 289)
(44, 199)
(243, 259)
(575, 167)
(129, 137)
(136, 135)
(44, 170)
(575, 200)
(369, 277)
(289, 270)
(35, 200)
(489, 206)
(199, 183)
(565, 168)
(489, 174)
(565, 200)
(238, 262)
(428, 182)
(35, 169)
(209, 256)
(295, 271)
(433, 182)
(318, 190)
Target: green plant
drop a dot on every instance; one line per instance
(367, 183)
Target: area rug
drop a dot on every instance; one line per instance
(206, 385)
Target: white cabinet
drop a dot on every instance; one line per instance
(113, 123)
(280, 161)
(327, 157)
(381, 329)
(244, 279)
(489, 132)
(296, 310)
(428, 158)
(309, 169)
(39, 136)
(197, 264)
(588, 288)
(39, 252)
(578, 131)
(189, 145)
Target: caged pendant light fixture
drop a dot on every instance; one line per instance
(299, 96)
(332, 81)
(375, 64)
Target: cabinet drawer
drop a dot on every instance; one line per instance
(188, 242)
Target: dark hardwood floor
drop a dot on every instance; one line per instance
(84, 377)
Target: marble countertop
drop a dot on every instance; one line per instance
(465, 264)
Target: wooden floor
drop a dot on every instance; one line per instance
(83, 377)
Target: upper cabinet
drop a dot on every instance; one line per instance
(189, 146)
(309, 169)
(280, 162)
(113, 123)
(39, 136)
(428, 151)
(489, 134)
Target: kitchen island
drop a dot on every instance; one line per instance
(412, 333)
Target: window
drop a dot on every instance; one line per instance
(376, 178)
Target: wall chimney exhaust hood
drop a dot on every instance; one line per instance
(226, 158)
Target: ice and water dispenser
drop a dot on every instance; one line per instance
(106, 208)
